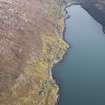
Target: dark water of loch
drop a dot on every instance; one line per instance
(81, 74)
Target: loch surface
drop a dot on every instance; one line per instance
(81, 75)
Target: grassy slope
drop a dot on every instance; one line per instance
(30, 42)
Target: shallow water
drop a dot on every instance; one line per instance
(81, 74)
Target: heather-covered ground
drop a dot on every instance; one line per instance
(30, 43)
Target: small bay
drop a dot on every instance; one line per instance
(81, 75)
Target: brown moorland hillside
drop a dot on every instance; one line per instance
(30, 43)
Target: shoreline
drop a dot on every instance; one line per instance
(61, 60)
(88, 10)
(95, 18)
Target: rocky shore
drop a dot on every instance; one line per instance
(31, 42)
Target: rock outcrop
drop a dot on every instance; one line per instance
(30, 42)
